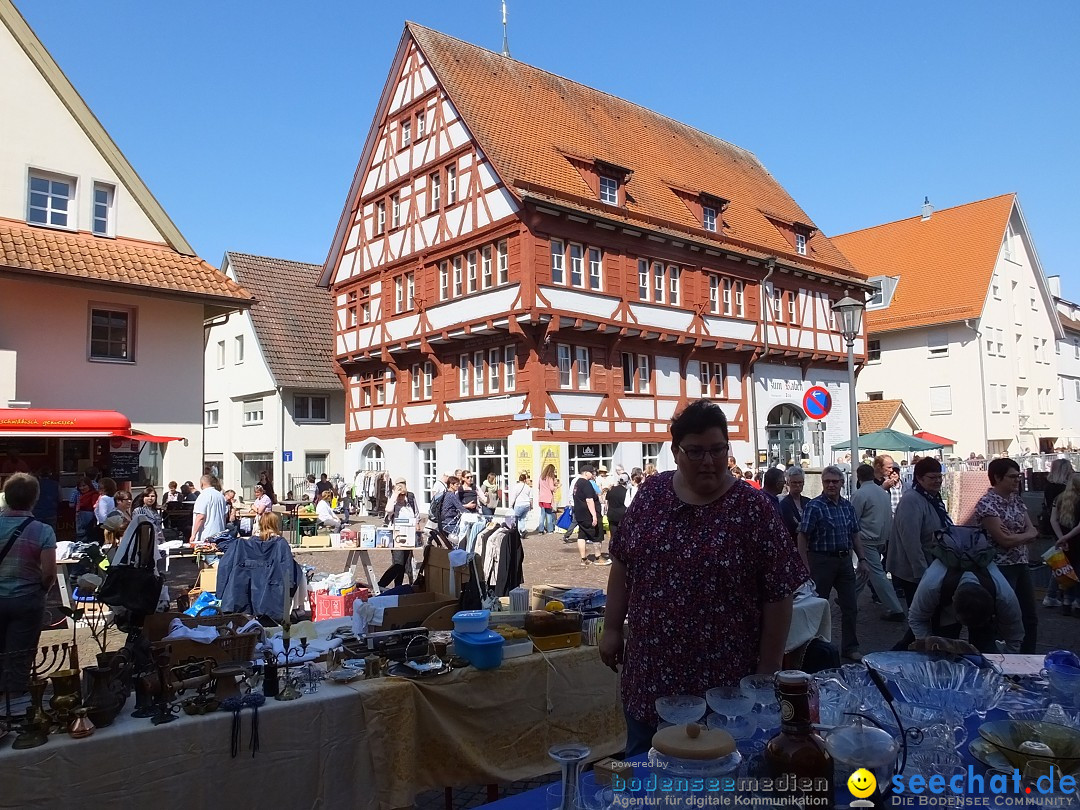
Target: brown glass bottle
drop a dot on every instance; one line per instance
(796, 758)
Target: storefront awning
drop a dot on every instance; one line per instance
(933, 437)
(40, 422)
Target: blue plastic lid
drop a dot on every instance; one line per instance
(470, 615)
(486, 637)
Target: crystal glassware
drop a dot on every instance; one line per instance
(678, 709)
(570, 756)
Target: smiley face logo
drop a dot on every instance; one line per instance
(861, 783)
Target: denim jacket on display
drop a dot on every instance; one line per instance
(253, 576)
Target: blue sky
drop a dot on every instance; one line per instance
(246, 119)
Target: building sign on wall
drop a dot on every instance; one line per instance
(523, 460)
(490, 448)
(780, 388)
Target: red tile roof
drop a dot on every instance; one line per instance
(944, 263)
(143, 266)
(528, 121)
(293, 320)
(877, 414)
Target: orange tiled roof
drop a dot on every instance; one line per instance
(877, 414)
(527, 121)
(132, 263)
(944, 263)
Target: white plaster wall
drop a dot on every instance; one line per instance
(775, 385)
(1068, 393)
(161, 392)
(47, 137)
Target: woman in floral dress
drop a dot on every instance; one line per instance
(705, 570)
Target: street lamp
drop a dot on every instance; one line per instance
(849, 312)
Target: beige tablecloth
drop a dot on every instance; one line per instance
(370, 744)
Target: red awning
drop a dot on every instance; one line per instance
(933, 437)
(40, 422)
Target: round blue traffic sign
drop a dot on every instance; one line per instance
(817, 402)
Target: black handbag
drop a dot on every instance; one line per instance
(131, 583)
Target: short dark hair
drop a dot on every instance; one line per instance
(926, 466)
(773, 480)
(586, 468)
(697, 417)
(21, 491)
(973, 604)
(999, 468)
(452, 479)
(864, 472)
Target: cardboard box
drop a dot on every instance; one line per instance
(315, 541)
(437, 571)
(384, 538)
(336, 607)
(208, 579)
(411, 610)
(367, 536)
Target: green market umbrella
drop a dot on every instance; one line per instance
(889, 439)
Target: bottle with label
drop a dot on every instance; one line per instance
(796, 758)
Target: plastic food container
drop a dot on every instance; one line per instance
(471, 621)
(517, 648)
(482, 650)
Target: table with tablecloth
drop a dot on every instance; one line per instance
(369, 744)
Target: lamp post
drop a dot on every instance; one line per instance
(849, 314)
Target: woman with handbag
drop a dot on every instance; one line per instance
(1061, 472)
(545, 498)
(521, 501)
(488, 496)
(27, 572)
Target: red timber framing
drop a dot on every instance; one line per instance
(493, 307)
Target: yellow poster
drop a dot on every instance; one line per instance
(523, 461)
(549, 454)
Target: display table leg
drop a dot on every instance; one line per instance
(373, 580)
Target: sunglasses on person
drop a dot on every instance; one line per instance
(699, 453)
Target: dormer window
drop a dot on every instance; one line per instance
(884, 287)
(877, 297)
(709, 218)
(800, 244)
(609, 190)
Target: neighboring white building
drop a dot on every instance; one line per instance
(102, 300)
(963, 329)
(1068, 368)
(271, 389)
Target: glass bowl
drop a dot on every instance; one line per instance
(762, 687)
(953, 699)
(1051, 714)
(730, 701)
(678, 709)
(740, 728)
(1009, 735)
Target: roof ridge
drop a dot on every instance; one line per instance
(231, 253)
(936, 212)
(411, 25)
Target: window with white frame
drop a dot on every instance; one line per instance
(307, 408)
(406, 133)
(650, 453)
(712, 379)
(451, 185)
(221, 354)
(740, 309)
(577, 266)
(444, 280)
(595, 455)
(238, 350)
(636, 376)
(494, 370)
(566, 362)
(429, 470)
(643, 279)
(253, 412)
(112, 334)
(800, 244)
(937, 343)
(1042, 351)
(102, 220)
(211, 417)
(709, 218)
(486, 277)
(596, 268)
(470, 278)
(478, 373)
(421, 124)
(410, 290)
(420, 380)
(414, 382)
(1033, 298)
(658, 282)
(458, 289)
(463, 375)
(510, 368)
(714, 293)
(673, 284)
(399, 293)
(995, 288)
(502, 250)
(395, 211)
(1076, 349)
(778, 304)
(581, 361)
(791, 306)
(1000, 333)
(727, 296)
(51, 200)
(609, 190)
(873, 351)
(940, 399)
(877, 297)
(990, 342)
(434, 191)
(558, 259)
(380, 217)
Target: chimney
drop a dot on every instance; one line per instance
(927, 208)
(1054, 283)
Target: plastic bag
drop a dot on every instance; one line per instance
(1060, 567)
(205, 603)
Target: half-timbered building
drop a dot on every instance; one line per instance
(530, 270)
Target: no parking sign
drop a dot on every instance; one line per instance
(817, 402)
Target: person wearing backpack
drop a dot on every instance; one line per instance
(27, 572)
(979, 599)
